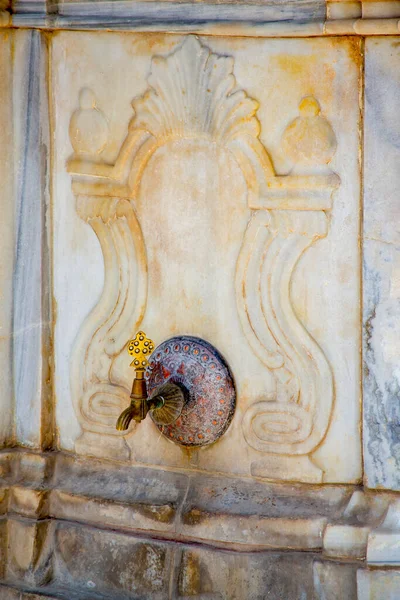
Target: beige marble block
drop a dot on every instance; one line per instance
(228, 210)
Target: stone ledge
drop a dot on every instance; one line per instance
(240, 514)
(79, 529)
(291, 18)
(76, 562)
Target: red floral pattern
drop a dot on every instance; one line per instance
(211, 395)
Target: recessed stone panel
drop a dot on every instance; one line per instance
(206, 210)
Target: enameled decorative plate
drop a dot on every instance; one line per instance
(210, 390)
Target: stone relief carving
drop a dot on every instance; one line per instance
(309, 140)
(98, 397)
(88, 129)
(294, 421)
(192, 93)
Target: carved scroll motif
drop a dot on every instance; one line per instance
(192, 93)
(295, 420)
(98, 398)
(286, 222)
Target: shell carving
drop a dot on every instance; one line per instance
(193, 93)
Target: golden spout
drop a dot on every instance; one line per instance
(166, 402)
(125, 418)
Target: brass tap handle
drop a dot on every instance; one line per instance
(140, 348)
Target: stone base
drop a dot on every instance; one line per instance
(78, 529)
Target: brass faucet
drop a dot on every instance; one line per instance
(166, 402)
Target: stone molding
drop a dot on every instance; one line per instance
(58, 510)
(300, 18)
(339, 521)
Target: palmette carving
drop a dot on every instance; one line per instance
(193, 94)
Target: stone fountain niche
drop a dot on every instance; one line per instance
(207, 184)
(222, 185)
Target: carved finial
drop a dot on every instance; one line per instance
(309, 140)
(88, 129)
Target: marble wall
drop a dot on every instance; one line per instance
(381, 266)
(238, 188)
(25, 265)
(182, 272)
(31, 287)
(7, 235)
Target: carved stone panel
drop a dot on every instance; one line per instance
(215, 193)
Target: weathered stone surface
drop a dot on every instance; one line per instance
(31, 291)
(225, 511)
(28, 502)
(181, 572)
(241, 514)
(348, 537)
(124, 567)
(6, 235)
(246, 497)
(3, 547)
(376, 585)
(100, 479)
(236, 577)
(137, 517)
(248, 513)
(86, 559)
(381, 266)
(29, 551)
(116, 496)
(10, 593)
(334, 581)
